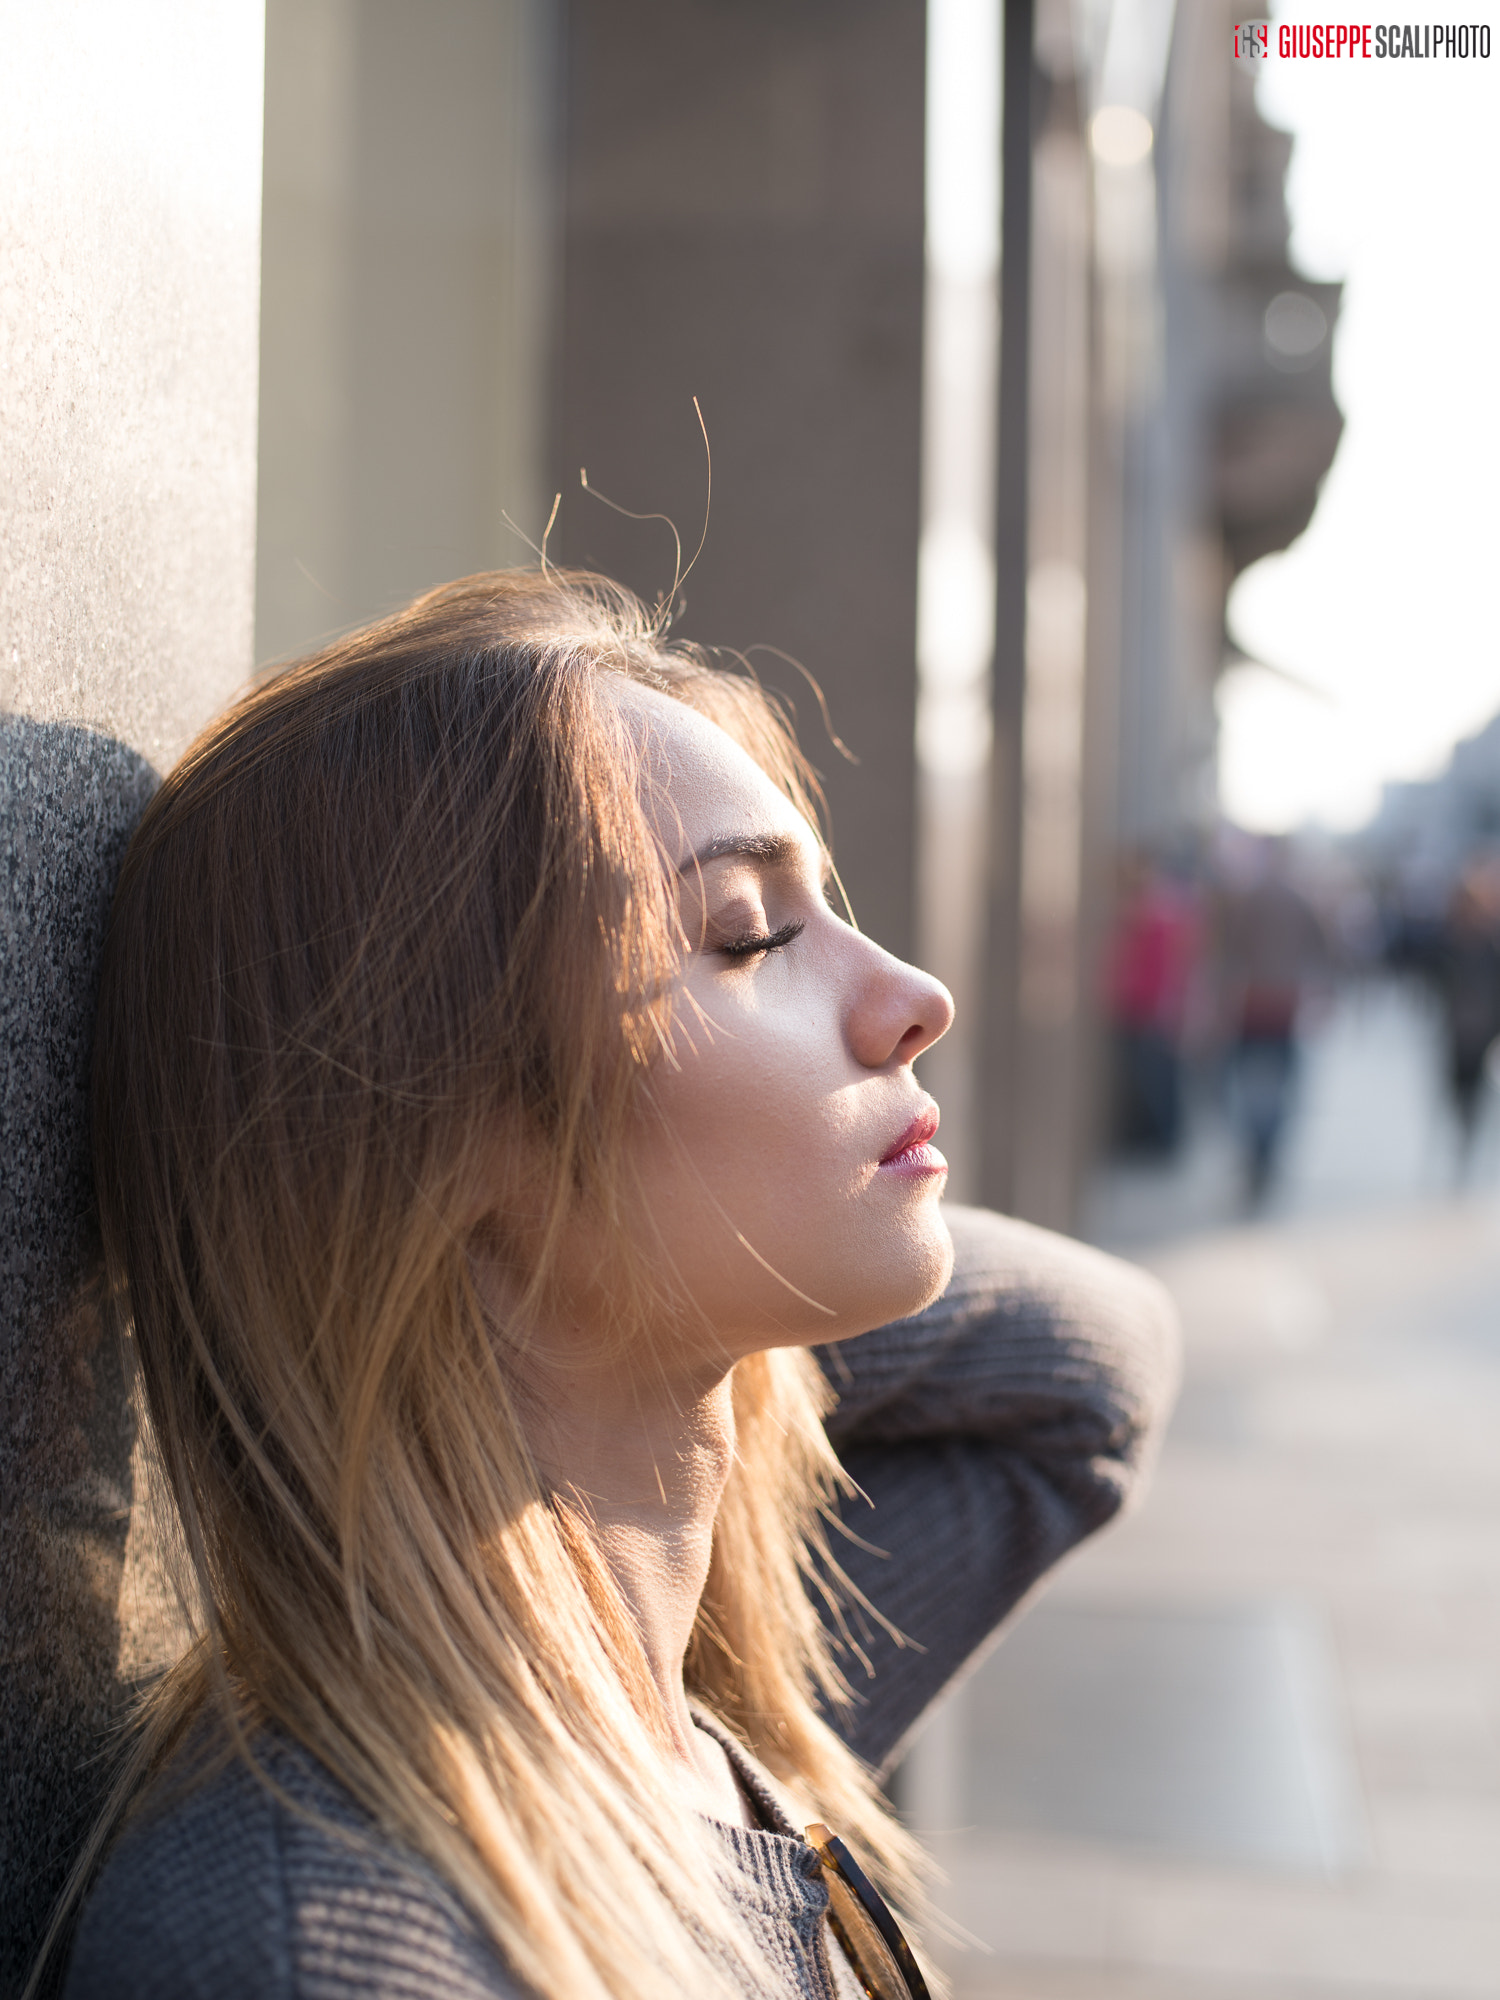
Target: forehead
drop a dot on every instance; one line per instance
(701, 785)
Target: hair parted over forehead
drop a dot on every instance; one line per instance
(401, 907)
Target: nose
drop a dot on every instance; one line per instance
(896, 1010)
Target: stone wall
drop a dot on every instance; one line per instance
(129, 277)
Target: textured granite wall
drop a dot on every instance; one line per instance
(129, 269)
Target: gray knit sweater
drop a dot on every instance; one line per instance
(991, 1433)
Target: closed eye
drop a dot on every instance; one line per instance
(754, 943)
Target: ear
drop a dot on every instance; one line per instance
(507, 1179)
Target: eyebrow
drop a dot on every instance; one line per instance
(775, 850)
(771, 850)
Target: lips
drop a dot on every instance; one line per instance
(916, 1136)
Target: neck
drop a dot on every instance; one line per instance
(647, 1454)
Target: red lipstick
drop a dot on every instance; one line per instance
(913, 1155)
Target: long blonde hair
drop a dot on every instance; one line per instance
(403, 897)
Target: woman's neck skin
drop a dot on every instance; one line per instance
(657, 1449)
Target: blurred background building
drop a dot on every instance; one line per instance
(505, 241)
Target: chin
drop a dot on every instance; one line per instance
(838, 1275)
(906, 1271)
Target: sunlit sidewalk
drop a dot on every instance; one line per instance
(1249, 1744)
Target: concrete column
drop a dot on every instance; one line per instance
(998, 1053)
(129, 244)
(1052, 1006)
(405, 302)
(1037, 1064)
(744, 223)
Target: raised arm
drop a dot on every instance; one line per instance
(990, 1433)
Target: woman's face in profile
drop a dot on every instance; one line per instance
(786, 1170)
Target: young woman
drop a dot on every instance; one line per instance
(508, 1155)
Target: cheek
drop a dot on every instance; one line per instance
(758, 1106)
(745, 1142)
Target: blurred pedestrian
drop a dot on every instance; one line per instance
(1467, 966)
(1152, 957)
(1272, 948)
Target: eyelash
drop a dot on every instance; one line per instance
(750, 947)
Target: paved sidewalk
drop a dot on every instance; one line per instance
(1247, 1747)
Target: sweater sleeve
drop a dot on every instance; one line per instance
(988, 1435)
(235, 1892)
